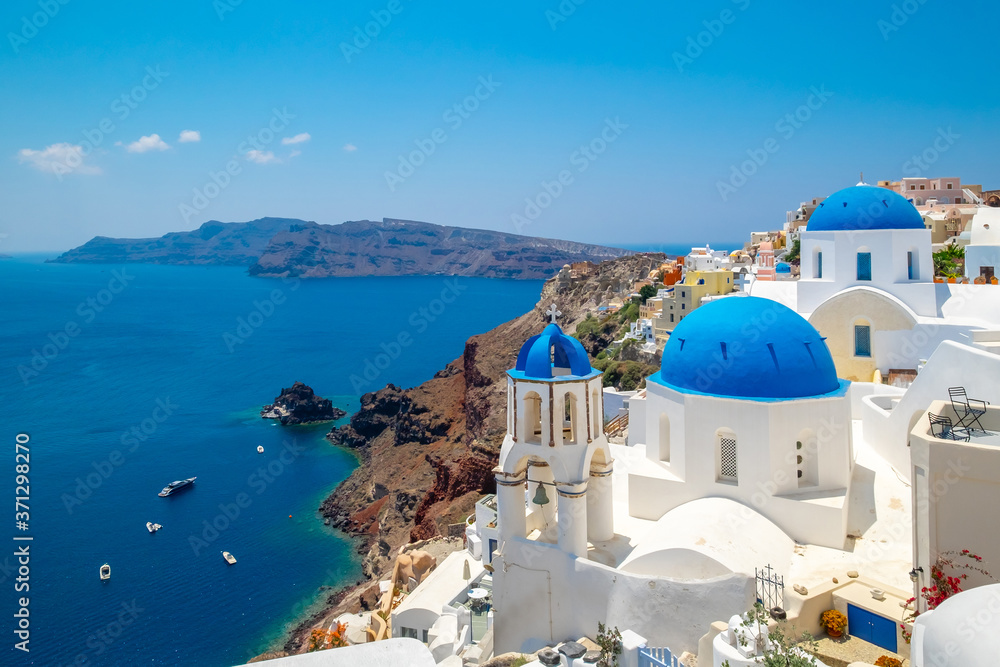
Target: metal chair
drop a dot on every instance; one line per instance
(966, 412)
(941, 427)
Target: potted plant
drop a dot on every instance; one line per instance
(833, 622)
(888, 661)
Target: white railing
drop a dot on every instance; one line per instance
(657, 657)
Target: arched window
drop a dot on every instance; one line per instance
(598, 411)
(569, 421)
(728, 456)
(664, 438)
(532, 418)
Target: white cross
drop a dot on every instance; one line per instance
(553, 312)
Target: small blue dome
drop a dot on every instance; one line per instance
(552, 349)
(864, 208)
(748, 347)
(781, 267)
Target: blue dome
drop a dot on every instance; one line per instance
(864, 208)
(552, 348)
(782, 267)
(748, 347)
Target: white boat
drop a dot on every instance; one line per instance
(105, 572)
(231, 559)
(152, 527)
(260, 449)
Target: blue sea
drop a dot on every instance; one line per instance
(125, 378)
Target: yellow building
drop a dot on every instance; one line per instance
(688, 295)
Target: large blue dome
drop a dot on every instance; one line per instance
(864, 208)
(552, 349)
(748, 347)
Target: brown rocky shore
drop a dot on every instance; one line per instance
(427, 453)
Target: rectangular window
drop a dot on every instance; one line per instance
(913, 187)
(862, 341)
(864, 266)
(911, 270)
(683, 306)
(424, 640)
(949, 186)
(728, 468)
(921, 187)
(408, 632)
(671, 317)
(819, 265)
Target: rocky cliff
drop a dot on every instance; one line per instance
(427, 453)
(406, 247)
(229, 243)
(273, 247)
(298, 404)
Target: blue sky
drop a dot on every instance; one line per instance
(618, 101)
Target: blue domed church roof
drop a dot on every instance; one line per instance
(748, 347)
(552, 349)
(864, 208)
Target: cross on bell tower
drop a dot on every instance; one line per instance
(553, 312)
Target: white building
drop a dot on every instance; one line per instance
(871, 238)
(748, 406)
(982, 254)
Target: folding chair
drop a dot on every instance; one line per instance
(941, 427)
(966, 412)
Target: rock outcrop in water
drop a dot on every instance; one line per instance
(298, 404)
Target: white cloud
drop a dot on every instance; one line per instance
(350, 148)
(260, 157)
(150, 143)
(61, 158)
(294, 154)
(297, 139)
(188, 136)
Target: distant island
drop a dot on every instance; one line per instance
(284, 247)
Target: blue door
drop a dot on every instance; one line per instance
(489, 554)
(871, 627)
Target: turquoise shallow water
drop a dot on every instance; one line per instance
(146, 374)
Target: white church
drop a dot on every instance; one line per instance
(765, 443)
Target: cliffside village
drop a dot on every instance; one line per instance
(802, 477)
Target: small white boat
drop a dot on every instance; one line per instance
(260, 449)
(152, 527)
(105, 572)
(231, 559)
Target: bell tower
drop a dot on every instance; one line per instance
(554, 476)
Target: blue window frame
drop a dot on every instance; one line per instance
(862, 341)
(864, 266)
(819, 265)
(909, 266)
